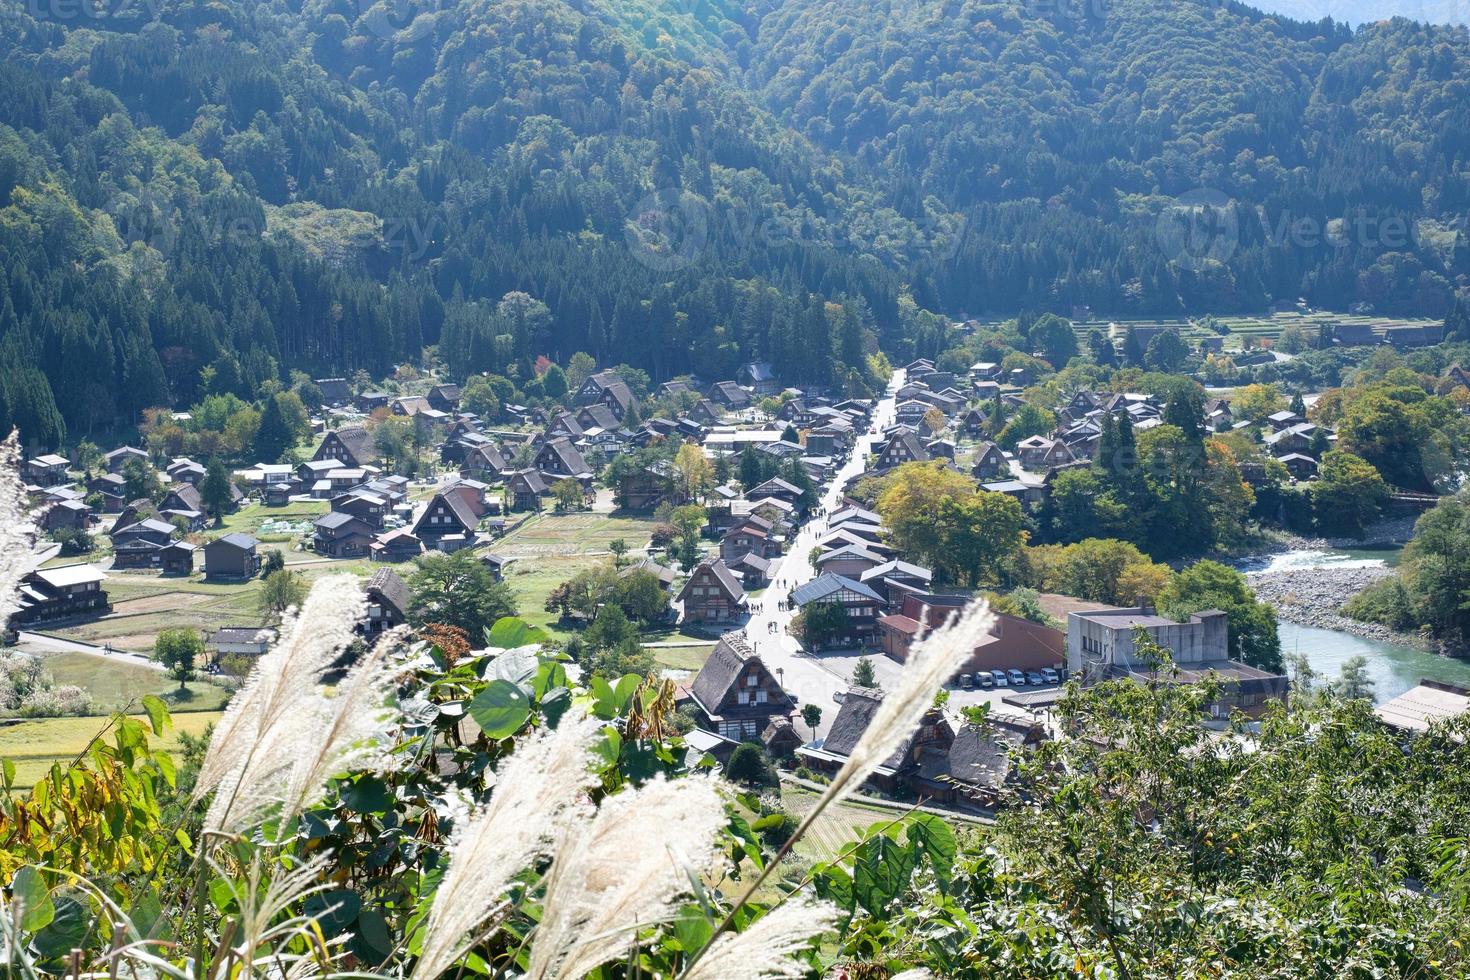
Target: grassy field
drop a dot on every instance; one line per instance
(144, 603)
(35, 745)
(563, 535)
(115, 684)
(550, 548)
(689, 658)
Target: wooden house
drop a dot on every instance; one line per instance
(233, 556)
(712, 594)
(735, 695)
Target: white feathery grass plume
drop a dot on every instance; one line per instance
(917, 974)
(764, 951)
(536, 789)
(350, 724)
(931, 661)
(622, 871)
(17, 530)
(278, 712)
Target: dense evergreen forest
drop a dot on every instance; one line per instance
(199, 196)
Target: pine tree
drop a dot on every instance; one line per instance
(214, 490)
(274, 436)
(1133, 348)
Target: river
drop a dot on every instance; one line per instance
(1393, 668)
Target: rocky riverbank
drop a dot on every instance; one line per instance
(1313, 596)
(1386, 533)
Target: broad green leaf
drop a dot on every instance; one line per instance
(517, 666)
(623, 690)
(66, 930)
(692, 928)
(881, 872)
(29, 889)
(936, 839)
(158, 716)
(500, 709)
(367, 795)
(510, 632)
(335, 910)
(372, 941)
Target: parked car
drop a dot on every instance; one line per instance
(999, 676)
(985, 680)
(1034, 678)
(1050, 675)
(967, 681)
(1016, 678)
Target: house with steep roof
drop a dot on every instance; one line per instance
(351, 446)
(444, 397)
(903, 446)
(558, 459)
(760, 377)
(730, 395)
(989, 462)
(388, 601)
(447, 523)
(859, 706)
(862, 604)
(607, 388)
(484, 462)
(525, 488)
(712, 594)
(735, 695)
(122, 456)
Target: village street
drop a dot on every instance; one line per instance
(816, 678)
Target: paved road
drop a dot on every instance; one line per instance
(54, 644)
(815, 678)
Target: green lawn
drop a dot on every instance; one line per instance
(116, 684)
(689, 658)
(34, 745)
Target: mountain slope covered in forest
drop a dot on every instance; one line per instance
(196, 197)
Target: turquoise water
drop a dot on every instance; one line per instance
(1394, 669)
